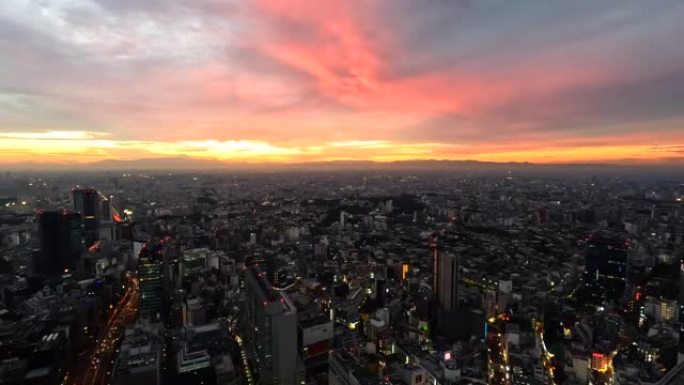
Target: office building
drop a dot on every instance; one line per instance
(447, 283)
(605, 273)
(139, 359)
(315, 334)
(151, 275)
(87, 203)
(193, 261)
(192, 359)
(61, 243)
(107, 230)
(270, 331)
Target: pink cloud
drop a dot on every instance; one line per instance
(295, 73)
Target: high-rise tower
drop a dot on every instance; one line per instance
(270, 331)
(445, 276)
(87, 203)
(61, 242)
(151, 275)
(605, 269)
(447, 291)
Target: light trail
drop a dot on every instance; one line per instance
(245, 361)
(497, 353)
(545, 355)
(102, 358)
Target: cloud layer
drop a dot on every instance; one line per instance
(298, 80)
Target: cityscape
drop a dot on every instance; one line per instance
(342, 278)
(318, 192)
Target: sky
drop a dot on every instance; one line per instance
(306, 81)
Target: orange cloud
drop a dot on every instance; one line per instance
(293, 80)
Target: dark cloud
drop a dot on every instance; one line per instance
(601, 109)
(470, 35)
(583, 112)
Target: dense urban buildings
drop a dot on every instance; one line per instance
(359, 277)
(306, 192)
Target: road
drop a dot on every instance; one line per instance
(499, 370)
(102, 358)
(232, 330)
(245, 361)
(548, 359)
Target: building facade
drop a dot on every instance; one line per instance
(269, 329)
(605, 273)
(61, 243)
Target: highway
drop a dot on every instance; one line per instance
(102, 358)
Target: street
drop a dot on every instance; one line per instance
(101, 361)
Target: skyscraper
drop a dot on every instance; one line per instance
(605, 271)
(151, 275)
(434, 248)
(447, 288)
(61, 242)
(445, 276)
(87, 203)
(105, 210)
(106, 225)
(270, 331)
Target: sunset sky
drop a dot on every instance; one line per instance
(299, 81)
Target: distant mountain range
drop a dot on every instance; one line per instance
(183, 163)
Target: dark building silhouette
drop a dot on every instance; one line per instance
(605, 271)
(445, 275)
(151, 275)
(61, 242)
(87, 203)
(447, 289)
(452, 322)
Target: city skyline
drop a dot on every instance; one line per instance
(296, 82)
